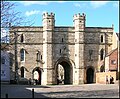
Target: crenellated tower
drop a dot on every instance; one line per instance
(79, 29)
(48, 21)
(48, 29)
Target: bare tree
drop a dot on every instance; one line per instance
(10, 18)
(8, 15)
(10, 21)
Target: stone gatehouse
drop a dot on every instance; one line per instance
(70, 53)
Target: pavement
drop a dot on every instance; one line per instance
(60, 91)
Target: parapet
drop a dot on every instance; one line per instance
(79, 16)
(47, 15)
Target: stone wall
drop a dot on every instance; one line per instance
(101, 77)
(81, 45)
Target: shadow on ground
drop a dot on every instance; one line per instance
(17, 91)
(25, 91)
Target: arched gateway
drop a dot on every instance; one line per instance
(90, 75)
(66, 73)
(36, 73)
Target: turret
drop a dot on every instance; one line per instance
(48, 31)
(79, 22)
(48, 21)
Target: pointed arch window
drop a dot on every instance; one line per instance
(22, 72)
(101, 54)
(22, 54)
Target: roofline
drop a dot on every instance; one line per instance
(111, 52)
(101, 27)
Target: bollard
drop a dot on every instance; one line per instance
(32, 93)
(6, 95)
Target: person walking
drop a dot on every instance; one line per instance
(111, 80)
(107, 82)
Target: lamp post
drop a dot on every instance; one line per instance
(16, 61)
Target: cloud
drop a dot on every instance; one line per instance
(96, 4)
(80, 4)
(28, 3)
(77, 5)
(116, 4)
(29, 13)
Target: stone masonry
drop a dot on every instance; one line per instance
(76, 48)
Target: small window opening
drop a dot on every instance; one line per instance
(101, 54)
(22, 71)
(101, 38)
(22, 38)
(60, 51)
(41, 57)
(22, 52)
(62, 39)
(38, 56)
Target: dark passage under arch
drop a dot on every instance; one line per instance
(67, 72)
(90, 75)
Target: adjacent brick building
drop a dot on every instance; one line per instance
(112, 60)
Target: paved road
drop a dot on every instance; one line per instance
(61, 91)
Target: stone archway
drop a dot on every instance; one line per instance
(37, 75)
(67, 71)
(90, 75)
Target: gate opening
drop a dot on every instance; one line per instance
(63, 73)
(90, 75)
(37, 75)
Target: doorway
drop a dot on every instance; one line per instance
(37, 75)
(90, 75)
(64, 73)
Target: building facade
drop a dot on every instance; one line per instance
(80, 50)
(5, 65)
(112, 58)
(111, 61)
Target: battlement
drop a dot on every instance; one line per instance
(79, 16)
(47, 15)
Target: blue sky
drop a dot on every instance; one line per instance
(98, 13)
